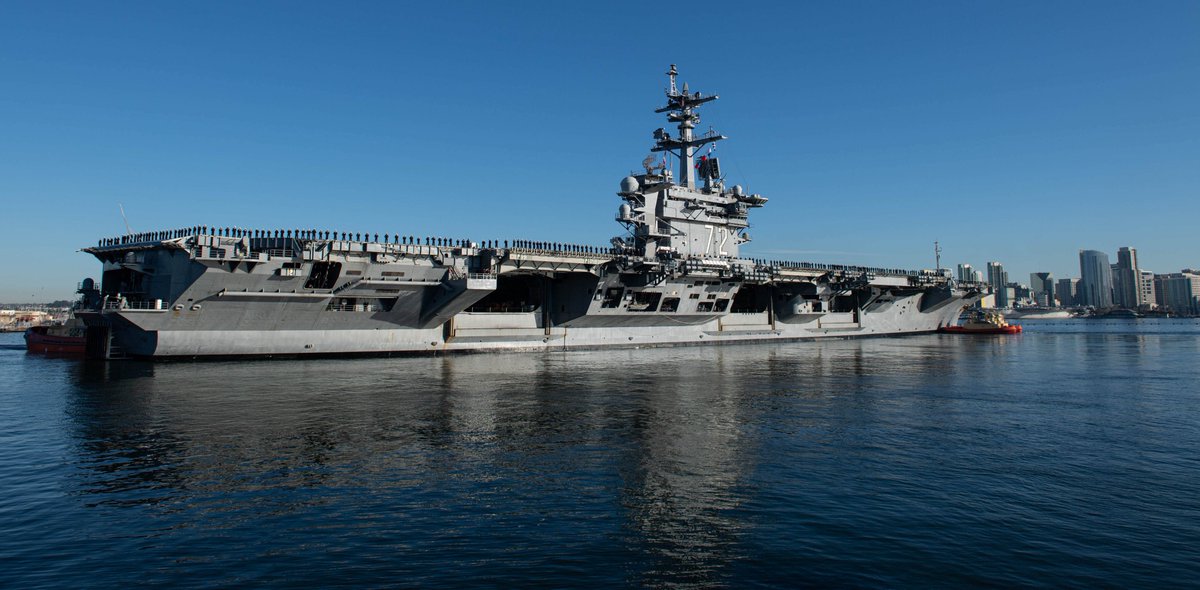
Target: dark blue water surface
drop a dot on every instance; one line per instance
(1067, 455)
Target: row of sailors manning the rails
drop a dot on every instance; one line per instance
(233, 232)
(312, 234)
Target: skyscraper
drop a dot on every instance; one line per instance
(1065, 292)
(1127, 279)
(998, 280)
(1116, 284)
(1095, 279)
(966, 274)
(1042, 286)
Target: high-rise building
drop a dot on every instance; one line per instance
(1095, 280)
(1146, 286)
(966, 274)
(998, 280)
(1041, 284)
(1065, 291)
(1126, 279)
(1180, 291)
(979, 276)
(1116, 283)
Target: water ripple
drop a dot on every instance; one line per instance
(1063, 457)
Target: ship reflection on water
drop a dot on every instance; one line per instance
(649, 453)
(882, 462)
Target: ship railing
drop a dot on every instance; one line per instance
(116, 304)
(973, 285)
(481, 275)
(208, 252)
(576, 250)
(502, 309)
(793, 265)
(280, 253)
(362, 307)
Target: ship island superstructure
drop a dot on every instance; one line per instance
(675, 277)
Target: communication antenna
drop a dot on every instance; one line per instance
(128, 231)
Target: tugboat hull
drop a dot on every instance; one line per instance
(39, 340)
(996, 330)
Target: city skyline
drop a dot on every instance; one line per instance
(874, 129)
(1099, 284)
(958, 268)
(1069, 271)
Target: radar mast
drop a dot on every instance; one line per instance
(681, 109)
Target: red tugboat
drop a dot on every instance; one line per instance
(70, 338)
(989, 322)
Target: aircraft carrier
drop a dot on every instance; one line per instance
(674, 277)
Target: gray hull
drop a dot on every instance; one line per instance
(499, 332)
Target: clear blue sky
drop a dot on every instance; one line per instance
(1011, 131)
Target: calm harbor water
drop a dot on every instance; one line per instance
(1067, 455)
